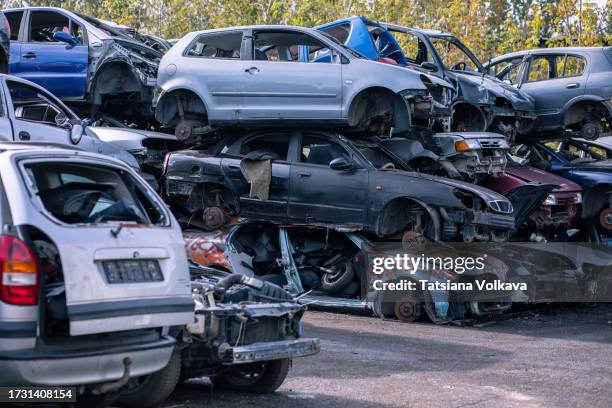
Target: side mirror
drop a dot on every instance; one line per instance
(430, 66)
(61, 36)
(76, 132)
(340, 163)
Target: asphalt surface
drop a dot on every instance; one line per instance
(559, 357)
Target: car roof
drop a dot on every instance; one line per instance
(548, 50)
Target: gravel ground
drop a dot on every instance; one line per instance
(560, 358)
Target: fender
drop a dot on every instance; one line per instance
(585, 98)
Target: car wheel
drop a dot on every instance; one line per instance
(337, 277)
(258, 378)
(408, 309)
(155, 388)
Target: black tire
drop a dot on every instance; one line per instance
(256, 378)
(343, 275)
(154, 388)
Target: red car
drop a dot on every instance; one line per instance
(556, 212)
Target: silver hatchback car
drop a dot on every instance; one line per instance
(284, 75)
(93, 271)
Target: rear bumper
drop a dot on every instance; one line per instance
(275, 350)
(22, 368)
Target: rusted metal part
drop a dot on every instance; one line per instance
(208, 248)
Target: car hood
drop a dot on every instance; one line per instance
(423, 75)
(474, 85)
(482, 192)
(532, 175)
(126, 138)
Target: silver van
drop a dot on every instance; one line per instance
(93, 271)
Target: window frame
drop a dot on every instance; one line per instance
(235, 150)
(71, 21)
(298, 157)
(47, 98)
(253, 33)
(18, 32)
(217, 33)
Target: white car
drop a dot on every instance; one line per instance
(93, 271)
(284, 75)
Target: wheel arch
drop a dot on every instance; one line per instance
(396, 205)
(166, 109)
(397, 103)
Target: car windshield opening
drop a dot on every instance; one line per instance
(92, 194)
(453, 56)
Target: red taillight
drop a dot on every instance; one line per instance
(18, 272)
(165, 163)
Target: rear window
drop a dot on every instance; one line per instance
(92, 194)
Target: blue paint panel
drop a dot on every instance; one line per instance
(59, 67)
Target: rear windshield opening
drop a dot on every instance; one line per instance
(81, 193)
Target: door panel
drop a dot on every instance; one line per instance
(546, 83)
(291, 76)
(58, 66)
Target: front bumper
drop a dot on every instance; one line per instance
(275, 350)
(24, 368)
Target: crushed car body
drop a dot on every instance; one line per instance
(319, 177)
(240, 76)
(479, 102)
(112, 73)
(330, 270)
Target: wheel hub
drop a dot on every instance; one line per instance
(214, 217)
(183, 130)
(590, 130)
(605, 218)
(407, 310)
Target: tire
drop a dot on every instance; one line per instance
(155, 388)
(270, 375)
(342, 276)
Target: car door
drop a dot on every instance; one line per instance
(58, 66)
(214, 63)
(553, 79)
(14, 19)
(35, 115)
(319, 193)
(291, 75)
(263, 155)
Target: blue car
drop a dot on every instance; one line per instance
(584, 164)
(98, 67)
(480, 102)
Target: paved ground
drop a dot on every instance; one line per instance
(560, 359)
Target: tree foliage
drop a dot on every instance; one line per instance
(489, 27)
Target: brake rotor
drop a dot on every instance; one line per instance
(214, 217)
(590, 130)
(407, 310)
(183, 130)
(605, 218)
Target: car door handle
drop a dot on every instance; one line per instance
(252, 70)
(572, 86)
(29, 55)
(24, 135)
(304, 175)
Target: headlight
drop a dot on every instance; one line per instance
(464, 145)
(578, 198)
(550, 200)
(501, 206)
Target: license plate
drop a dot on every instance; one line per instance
(132, 271)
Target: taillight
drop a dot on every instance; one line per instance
(18, 272)
(165, 163)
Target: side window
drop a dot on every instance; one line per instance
(569, 66)
(30, 104)
(275, 147)
(414, 49)
(43, 24)
(339, 32)
(319, 150)
(540, 69)
(224, 45)
(289, 46)
(14, 20)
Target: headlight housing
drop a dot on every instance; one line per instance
(550, 200)
(465, 145)
(578, 198)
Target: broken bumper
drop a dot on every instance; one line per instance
(276, 350)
